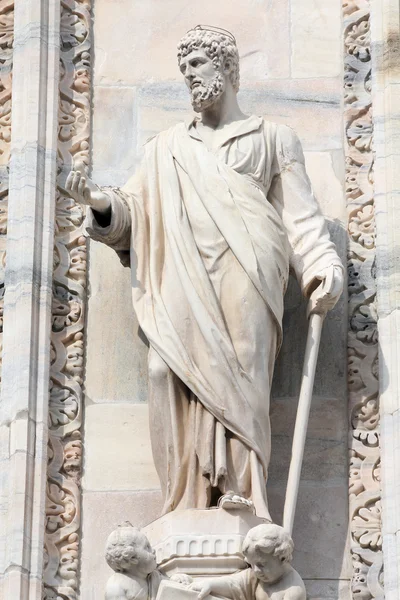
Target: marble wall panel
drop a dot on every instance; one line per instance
(118, 455)
(115, 144)
(325, 451)
(327, 589)
(321, 508)
(116, 362)
(315, 38)
(137, 42)
(331, 372)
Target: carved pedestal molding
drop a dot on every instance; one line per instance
(364, 433)
(200, 542)
(385, 51)
(62, 540)
(27, 302)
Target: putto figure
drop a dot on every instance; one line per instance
(136, 577)
(129, 554)
(218, 212)
(268, 550)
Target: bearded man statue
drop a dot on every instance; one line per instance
(218, 212)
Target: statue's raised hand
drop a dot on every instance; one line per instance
(83, 190)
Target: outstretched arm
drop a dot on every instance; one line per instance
(83, 190)
(108, 218)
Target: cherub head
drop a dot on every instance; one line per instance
(128, 551)
(268, 549)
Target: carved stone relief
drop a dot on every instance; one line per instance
(6, 49)
(62, 542)
(365, 493)
(263, 556)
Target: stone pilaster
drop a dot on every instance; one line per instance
(63, 491)
(27, 302)
(385, 51)
(363, 383)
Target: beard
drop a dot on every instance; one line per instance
(204, 96)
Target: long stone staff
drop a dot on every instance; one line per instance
(316, 312)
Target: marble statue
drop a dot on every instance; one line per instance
(136, 577)
(219, 211)
(268, 550)
(130, 555)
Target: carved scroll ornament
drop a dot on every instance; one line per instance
(365, 489)
(62, 542)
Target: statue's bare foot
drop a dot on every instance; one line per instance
(231, 501)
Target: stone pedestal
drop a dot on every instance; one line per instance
(201, 542)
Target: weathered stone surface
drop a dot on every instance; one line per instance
(320, 508)
(133, 46)
(116, 366)
(327, 589)
(315, 37)
(118, 453)
(115, 146)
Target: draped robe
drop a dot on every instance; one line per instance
(210, 237)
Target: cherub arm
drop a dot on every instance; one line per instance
(240, 585)
(217, 585)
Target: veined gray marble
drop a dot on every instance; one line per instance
(27, 304)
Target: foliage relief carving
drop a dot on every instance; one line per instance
(365, 488)
(62, 540)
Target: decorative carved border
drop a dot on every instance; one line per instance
(6, 53)
(364, 434)
(62, 541)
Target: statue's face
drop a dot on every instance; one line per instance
(205, 82)
(147, 557)
(266, 567)
(146, 562)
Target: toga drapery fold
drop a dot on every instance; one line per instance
(152, 216)
(160, 230)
